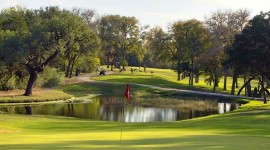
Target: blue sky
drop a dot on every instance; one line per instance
(151, 12)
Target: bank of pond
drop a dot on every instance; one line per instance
(112, 108)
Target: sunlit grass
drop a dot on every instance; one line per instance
(168, 78)
(255, 105)
(39, 95)
(248, 130)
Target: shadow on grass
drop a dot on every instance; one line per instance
(181, 142)
(247, 130)
(115, 89)
(105, 89)
(157, 81)
(253, 123)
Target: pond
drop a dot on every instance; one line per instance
(115, 109)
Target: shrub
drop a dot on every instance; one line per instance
(50, 77)
(8, 85)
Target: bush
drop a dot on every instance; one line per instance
(9, 85)
(50, 77)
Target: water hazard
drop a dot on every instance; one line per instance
(113, 109)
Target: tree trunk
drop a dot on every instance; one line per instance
(214, 89)
(225, 78)
(259, 85)
(215, 83)
(236, 83)
(192, 71)
(178, 74)
(225, 83)
(108, 60)
(233, 83)
(72, 66)
(33, 72)
(144, 68)
(77, 72)
(124, 61)
(249, 92)
(112, 67)
(68, 68)
(244, 85)
(178, 70)
(263, 90)
(197, 78)
(31, 82)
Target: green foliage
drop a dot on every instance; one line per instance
(120, 36)
(34, 38)
(252, 45)
(158, 48)
(88, 63)
(8, 85)
(50, 77)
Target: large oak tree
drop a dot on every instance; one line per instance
(37, 37)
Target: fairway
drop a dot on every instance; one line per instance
(239, 130)
(168, 78)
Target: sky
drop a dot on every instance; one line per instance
(149, 12)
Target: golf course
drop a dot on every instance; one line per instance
(245, 128)
(134, 75)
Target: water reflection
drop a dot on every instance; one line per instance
(115, 109)
(226, 107)
(28, 110)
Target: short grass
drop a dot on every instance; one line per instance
(168, 78)
(247, 130)
(146, 95)
(39, 95)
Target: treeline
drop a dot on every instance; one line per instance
(226, 43)
(32, 40)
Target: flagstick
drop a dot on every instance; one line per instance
(122, 120)
(127, 94)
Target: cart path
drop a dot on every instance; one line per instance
(87, 78)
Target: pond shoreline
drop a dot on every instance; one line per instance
(118, 109)
(104, 87)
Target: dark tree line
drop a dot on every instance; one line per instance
(249, 55)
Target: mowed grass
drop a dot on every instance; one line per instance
(168, 78)
(39, 95)
(247, 130)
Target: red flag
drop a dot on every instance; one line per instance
(127, 93)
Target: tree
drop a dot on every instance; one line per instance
(157, 45)
(47, 31)
(176, 50)
(252, 47)
(223, 26)
(120, 36)
(80, 40)
(192, 37)
(39, 38)
(13, 29)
